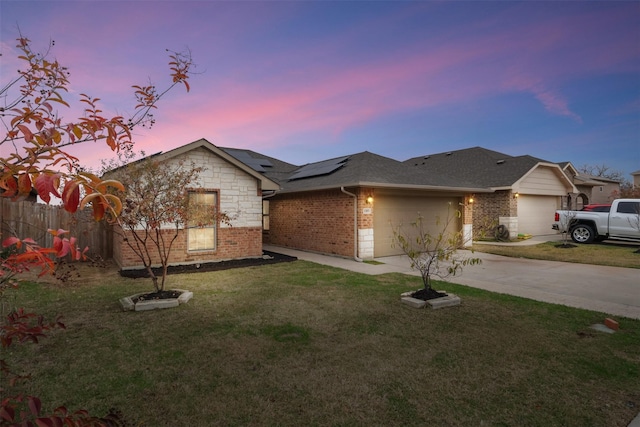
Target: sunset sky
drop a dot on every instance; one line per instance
(308, 81)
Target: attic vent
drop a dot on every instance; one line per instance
(499, 162)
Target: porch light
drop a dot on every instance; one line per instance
(470, 200)
(515, 196)
(369, 199)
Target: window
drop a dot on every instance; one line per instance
(629, 207)
(265, 215)
(201, 229)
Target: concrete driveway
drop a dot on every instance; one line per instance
(611, 290)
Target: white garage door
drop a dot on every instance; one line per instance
(391, 211)
(535, 214)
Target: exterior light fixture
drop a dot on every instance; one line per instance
(369, 199)
(470, 200)
(515, 196)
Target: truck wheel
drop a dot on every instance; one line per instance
(582, 234)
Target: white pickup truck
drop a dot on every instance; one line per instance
(621, 222)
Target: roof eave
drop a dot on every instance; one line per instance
(391, 185)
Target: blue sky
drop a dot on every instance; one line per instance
(307, 81)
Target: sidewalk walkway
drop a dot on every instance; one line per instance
(611, 290)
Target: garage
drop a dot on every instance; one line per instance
(536, 213)
(393, 210)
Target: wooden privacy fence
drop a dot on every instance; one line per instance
(29, 219)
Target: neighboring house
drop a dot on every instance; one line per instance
(348, 205)
(636, 178)
(606, 190)
(232, 187)
(590, 189)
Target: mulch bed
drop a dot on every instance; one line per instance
(427, 294)
(565, 246)
(271, 258)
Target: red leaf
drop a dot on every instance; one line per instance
(71, 196)
(58, 232)
(11, 241)
(46, 422)
(10, 185)
(28, 135)
(47, 184)
(62, 246)
(7, 413)
(34, 405)
(98, 209)
(24, 184)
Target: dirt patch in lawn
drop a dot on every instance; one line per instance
(267, 258)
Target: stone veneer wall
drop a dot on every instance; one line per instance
(239, 196)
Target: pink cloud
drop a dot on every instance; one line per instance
(265, 98)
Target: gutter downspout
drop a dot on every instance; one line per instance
(270, 195)
(355, 223)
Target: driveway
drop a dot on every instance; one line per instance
(611, 290)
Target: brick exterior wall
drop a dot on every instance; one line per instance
(232, 243)
(318, 221)
(322, 221)
(489, 207)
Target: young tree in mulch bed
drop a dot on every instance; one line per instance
(156, 208)
(433, 253)
(566, 221)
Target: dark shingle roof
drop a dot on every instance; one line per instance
(359, 169)
(482, 167)
(278, 171)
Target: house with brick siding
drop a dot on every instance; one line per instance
(229, 186)
(348, 206)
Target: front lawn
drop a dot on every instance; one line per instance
(304, 344)
(605, 253)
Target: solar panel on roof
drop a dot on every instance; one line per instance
(320, 168)
(254, 163)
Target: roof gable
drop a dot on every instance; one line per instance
(266, 183)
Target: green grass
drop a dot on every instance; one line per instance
(616, 255)
(303, 344)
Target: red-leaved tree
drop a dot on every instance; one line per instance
(36, 138)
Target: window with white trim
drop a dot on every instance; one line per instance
(201, 229)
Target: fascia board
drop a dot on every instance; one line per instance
(573, 171)
(387, 186)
